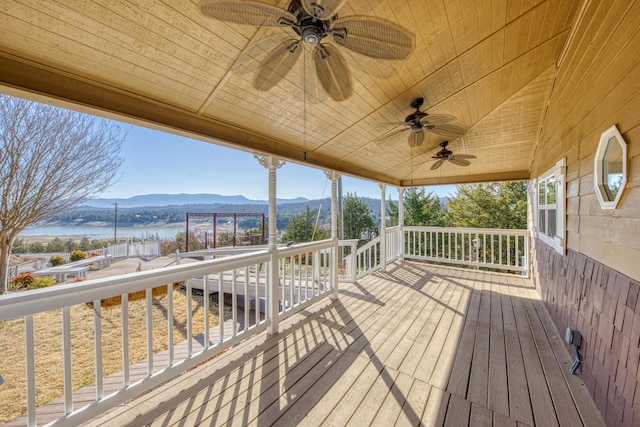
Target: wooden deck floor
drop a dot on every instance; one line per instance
(417, 345)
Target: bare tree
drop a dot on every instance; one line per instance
(50, 160)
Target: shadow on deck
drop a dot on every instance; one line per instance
(417, 345)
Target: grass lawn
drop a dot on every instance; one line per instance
(48, 345)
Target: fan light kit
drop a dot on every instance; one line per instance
(314, 22)
(419, 121)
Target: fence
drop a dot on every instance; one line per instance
(146, 248)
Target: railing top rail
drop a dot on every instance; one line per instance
(503, 231)
(228, 250)
(371, 243)
(40, 300)
(344, 242)
(305, 247)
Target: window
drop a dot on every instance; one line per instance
(549, 210)
(610, 168)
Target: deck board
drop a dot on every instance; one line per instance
(419, 344)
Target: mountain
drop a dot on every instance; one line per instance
(159, 200)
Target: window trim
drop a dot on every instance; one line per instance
(558, 241)
(598, 173)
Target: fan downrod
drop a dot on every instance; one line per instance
(417, 103)
(415, 117)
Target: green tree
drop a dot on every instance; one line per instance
(420, 209)
(357, 218)
(494, 205)
(85, 244)
(56, 245)
(302, 228)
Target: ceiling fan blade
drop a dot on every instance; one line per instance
(393, 132)
(447, 129)
(333, 71)
(437, 164)
(247, 12)
(457, 161)
(373, 37)
(277, 64)
(323, 9)
(254, 54)
(436, 119)
(465, 156)
(416, 139)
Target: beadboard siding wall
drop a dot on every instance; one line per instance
(597, 86)
(594, 287)
(602, 305)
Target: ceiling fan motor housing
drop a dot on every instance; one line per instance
(311, 29)
(415, 117)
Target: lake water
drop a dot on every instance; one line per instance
(92, 232)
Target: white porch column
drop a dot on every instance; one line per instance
(273, 280)
(333, 176)
(401, 220)
(383, 228)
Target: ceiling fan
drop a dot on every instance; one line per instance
(445, 155)
(419, 121)
(313, 21)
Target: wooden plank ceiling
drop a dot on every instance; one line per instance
(489, 63)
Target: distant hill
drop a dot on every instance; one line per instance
(162, 209)
(160, 200)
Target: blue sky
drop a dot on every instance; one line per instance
(162, 163)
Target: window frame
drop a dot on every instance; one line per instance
(600, 186)
(557, 241)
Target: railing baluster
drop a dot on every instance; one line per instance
(234, 297)
(247, 299)
(220, 306)
(492, 253)
(66, 358)
(124, 302)
(149, 317)
(205, 307)
(306, 277)
(508, 250)
(30, 352)
(170, 322)
(97, 333)
(189, 318)
(484, 248)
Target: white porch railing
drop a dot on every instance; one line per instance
(506, 250)
(283, 281)
(394, 243)
(496, 249)
(277, 283)
(368, 258)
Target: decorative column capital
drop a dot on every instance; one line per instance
(269, 161)
(332, 175)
